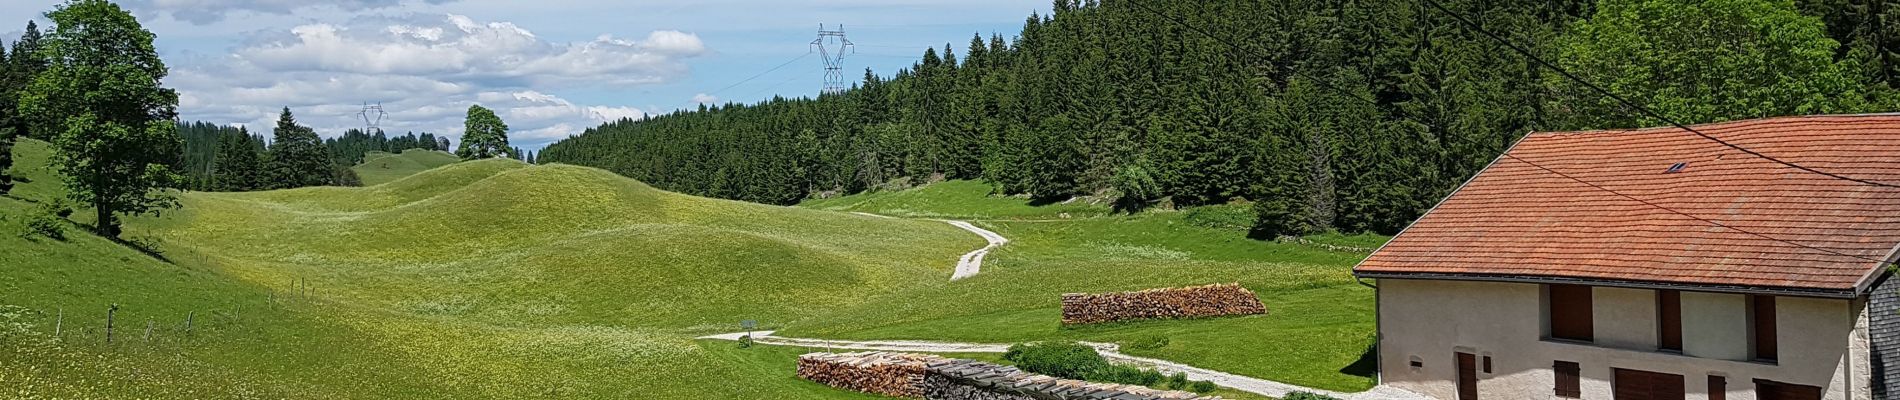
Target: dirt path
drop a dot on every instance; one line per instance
(972, 262)
(1110, 351)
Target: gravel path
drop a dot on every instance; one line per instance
(972, 262)
(1110, 351)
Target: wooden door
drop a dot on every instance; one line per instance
(1771, 390)
(1631, 384)
(1467, 376)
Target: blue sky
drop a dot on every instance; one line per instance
(550, 68)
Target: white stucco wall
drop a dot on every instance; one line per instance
(1719, 324)
(1432, 319)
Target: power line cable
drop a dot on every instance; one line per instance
(1469, 24)
(1327, 85)
(1685, 214)
(756, 76)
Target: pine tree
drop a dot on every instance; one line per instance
(298, 157)
(7, 114)
(26, 64)
(116, 144)
(239, 166)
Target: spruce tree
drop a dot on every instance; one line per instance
(238, 166)
(116, 144)
(298, 157)
(8, 110)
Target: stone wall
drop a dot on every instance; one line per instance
(889, 374)
(929, 377)
(957, 379)
(1168, 303)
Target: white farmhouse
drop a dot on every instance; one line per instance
(1656, 264)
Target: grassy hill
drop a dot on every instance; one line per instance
(497, 279)
(381, 167)
(1318, 331)
(489, 279)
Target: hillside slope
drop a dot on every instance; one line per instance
(381, 167)
(488, 279)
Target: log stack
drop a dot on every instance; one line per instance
(1165, 303)
(876, 372)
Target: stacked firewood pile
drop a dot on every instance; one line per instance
(889, 374)
(1187, 302)
(956, 379)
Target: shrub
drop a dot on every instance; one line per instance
(1058, 359)
(1308, 396)
(1076, 361)
(1202, 386)
(59, 208)
(46, 226)
(1178, 381)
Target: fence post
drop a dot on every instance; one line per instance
(148, 330)
(109, 312)
(188, 316)
(59, 322)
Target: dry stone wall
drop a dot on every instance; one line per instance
(957, 379)
(928, 377)
(1167, 303)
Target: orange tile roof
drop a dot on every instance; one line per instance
(1515, 220)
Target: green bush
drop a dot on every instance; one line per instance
(1308, 396)
(1076, 361)
(1233, 217)
(1058, 359)
(46, 226)
(1178, 381)
(1202, 386)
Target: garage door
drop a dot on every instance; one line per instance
(1771, 390)
(1643, 385)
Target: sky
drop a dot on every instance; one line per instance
(549, 68)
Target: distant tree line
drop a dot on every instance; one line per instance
(231, 159)
(1326, 115)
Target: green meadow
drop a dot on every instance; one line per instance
(383, 167)
(498, 279)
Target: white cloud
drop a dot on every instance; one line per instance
(460, 48)
(703, 98)
(202, 12)
(426, 74)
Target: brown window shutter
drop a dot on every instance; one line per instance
(1669, 318)
(1766, 347)
(1718, 388)
(1569, 379)
(1570, 313)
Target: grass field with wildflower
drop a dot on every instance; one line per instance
(497, 279)
(383, 167)
(1317, 331)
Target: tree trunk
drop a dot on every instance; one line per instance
(108, 224)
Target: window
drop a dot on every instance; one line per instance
(1669, 320)
(1569, 379)
(1718, 388)
(1570, 313)
(1771, 390)
(1487, 364)
(1761, 320)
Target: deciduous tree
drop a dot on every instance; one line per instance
(100, 94)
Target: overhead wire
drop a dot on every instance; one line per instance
(1327, 85)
